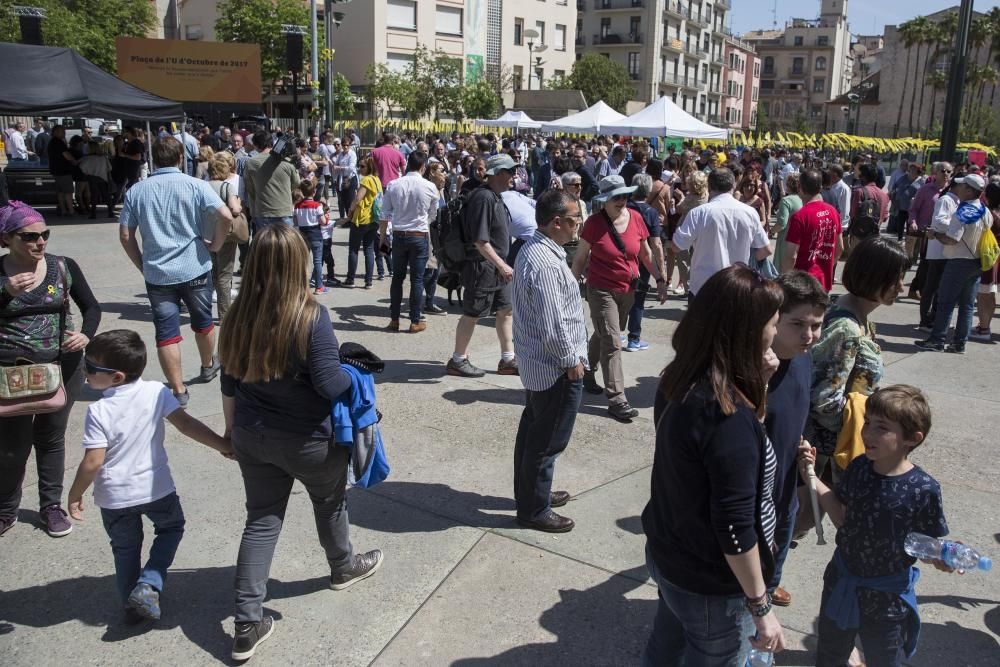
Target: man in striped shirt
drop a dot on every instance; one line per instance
(550, 341)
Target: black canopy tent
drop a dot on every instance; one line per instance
(51, 81)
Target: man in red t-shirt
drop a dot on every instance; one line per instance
(389, 162)
(814, 239)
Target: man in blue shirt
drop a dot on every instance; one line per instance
(176, 216)
(800, 321)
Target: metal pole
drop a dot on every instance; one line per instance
(328, 17)
(295, 99)
(956, 84)
(314, 63)
(531, 53)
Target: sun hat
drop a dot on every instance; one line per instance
(612, 186)
(499, 163)
(974, 181)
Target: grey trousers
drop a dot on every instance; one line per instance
(609, 312)
(271, 461)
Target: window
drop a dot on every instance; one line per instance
(193, 32)
(821, 63)
(797, 64)
(819, 85)
(448, 20)
(518, 32)
(767, 84)
(756, 69)
(797, 41)
(704, 73)
(633, 65)
(401, 14)
(540, 27)
(518, 77)
(769, 65)
(605, 27)
(754, 96)
(823, 40)
(400, 63)
(634, 23)
(560, 37)
(816, 111)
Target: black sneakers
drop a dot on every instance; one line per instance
(364, 566)
(623, 412)
(249, 636)
(590, 383)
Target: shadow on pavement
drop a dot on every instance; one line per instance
(467, 507)
(353, 318)
(199, 602)
(595, 626)
(632, 524)
(412, 371)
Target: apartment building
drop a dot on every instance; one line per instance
(669, 47)
(740, 85)
(536, 41)
(804, 65)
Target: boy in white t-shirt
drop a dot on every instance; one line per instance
(127, 463)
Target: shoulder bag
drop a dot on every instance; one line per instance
(35, 389)
(240, 232)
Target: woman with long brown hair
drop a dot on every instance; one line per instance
(280, 378)
(710, 521)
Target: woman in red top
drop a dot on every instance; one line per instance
(749, 194)
(614, 241)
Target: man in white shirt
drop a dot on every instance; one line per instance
(18, 149)
(411, 202)
(959, 220)
(791, 168)
(723, 232)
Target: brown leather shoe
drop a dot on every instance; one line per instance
(508, 367)
(549, 522)
(558, 498)
(780, 597)
(417, 327)
(393, 325)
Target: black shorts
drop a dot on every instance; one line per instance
(482, 290)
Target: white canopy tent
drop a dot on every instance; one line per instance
(592, 119)
(664, 118)
(516, 120)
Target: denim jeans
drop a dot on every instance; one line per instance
(410, 254)
(696, 630)
(271, 461)
(639, 306)
(362, 237)
(783, 533)
(345, 197)
(124, 527)
(383, 261)
(929, 289)
(314, 239)
(544, 432)
(883, 630)
(430, 284)
(285, 220)
(959, 283)
(46, 433)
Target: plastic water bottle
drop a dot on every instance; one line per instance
(759, 658)
(954, 555)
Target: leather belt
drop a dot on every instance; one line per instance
(395, 233)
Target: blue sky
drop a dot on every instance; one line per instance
(865, 17)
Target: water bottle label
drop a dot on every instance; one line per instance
(948, 550)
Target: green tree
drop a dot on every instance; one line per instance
(764, 123)
(908, 34)
(918, 31)
(387, 89)
(86, 26)
(259, 22)
(437, 79)
(480, 99)
(600, 78)
(343, 98)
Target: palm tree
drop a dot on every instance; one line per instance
(994, 53)
(929, 36)
(979, 32)
(920, 27)
(907, 35)
(938, 81)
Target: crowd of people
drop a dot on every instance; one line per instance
(766, 366)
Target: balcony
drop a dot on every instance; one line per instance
(796, 73)
(713, 119)
(700, 20)
(724, 4)
(714, 89)
(635, 75)
(618, 5)
(581, 5)
(612, 39)
(680, 81)
(674, 8)
(675, 45)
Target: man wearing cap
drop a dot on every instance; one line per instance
(959, 220)
(486, 277)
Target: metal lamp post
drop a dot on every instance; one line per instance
(531, 34)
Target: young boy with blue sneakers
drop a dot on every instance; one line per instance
(127, 463)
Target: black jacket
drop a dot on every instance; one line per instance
(707, 478)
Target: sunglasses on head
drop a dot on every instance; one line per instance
(93, 368)
(32, 237)
(758, 279)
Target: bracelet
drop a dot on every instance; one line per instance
(660, 281)
(759, 606)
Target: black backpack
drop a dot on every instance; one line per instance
(865, 222)
(447, 236)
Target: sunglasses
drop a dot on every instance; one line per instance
(93, 368)
(758, 279)
(32, 237)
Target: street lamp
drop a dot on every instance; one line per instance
(855, 98)
(531, 34)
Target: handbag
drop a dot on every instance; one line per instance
(240, 232)
(35, 389)
(849, 443)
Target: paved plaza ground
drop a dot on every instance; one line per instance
(461, 583)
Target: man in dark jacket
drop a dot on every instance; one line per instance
(587, 179)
